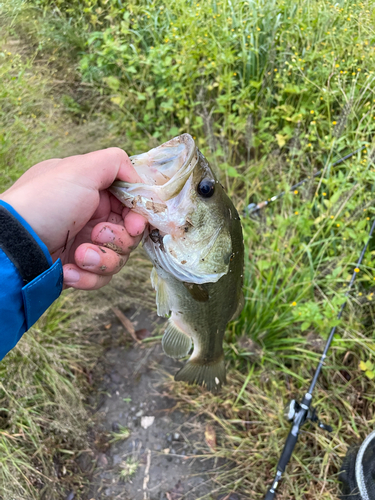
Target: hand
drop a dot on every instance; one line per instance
(67, 204)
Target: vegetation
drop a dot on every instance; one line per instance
(273, 91)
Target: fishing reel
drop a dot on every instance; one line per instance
(293, 410)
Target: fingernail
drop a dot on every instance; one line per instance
(71, 276)
(91, 258)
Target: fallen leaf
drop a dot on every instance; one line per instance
(107, 327)
(210, 436)
(126, 323)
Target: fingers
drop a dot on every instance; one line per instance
(134, 223)
(83, 280)
(109, 252)
(116, 236)
(99, 169)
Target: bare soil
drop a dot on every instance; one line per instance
(165, 453)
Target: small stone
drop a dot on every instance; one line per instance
(176, 436)
(115, 377)
(146, 422)
(139, 413)
(70, 496)
(116, 459)
(85, 462)
(102, 460)
(115, 426)
(143, 333)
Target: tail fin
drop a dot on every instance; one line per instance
(210, 375)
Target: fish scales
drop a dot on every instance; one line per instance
(195, 243)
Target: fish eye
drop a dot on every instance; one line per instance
(206, 188)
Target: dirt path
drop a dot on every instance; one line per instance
(163, 457)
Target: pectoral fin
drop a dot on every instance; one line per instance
(176, 343)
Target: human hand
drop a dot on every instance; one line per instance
(68, 205)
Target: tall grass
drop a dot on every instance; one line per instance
(272, 91)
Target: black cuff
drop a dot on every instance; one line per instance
(20, 247)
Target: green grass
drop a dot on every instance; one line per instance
(273, 91)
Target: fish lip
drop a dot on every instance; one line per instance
(168, 190)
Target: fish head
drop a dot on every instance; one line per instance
(188, 211)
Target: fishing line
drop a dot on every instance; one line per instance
(298, 413)
(253, 208)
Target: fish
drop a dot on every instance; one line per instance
(195, 243)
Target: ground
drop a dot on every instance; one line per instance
(169, 454)
(143, 446)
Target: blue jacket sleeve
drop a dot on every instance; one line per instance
(22, 301)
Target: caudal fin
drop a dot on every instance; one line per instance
(210, 375)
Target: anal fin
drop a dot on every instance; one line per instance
(176, 343)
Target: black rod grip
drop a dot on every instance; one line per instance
(270, 495)
(289, 446)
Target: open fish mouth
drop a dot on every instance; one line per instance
(167, 199)
(164, 171)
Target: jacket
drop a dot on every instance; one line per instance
(29, 281)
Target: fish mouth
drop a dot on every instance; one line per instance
(164, 171)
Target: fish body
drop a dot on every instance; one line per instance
(195, 243)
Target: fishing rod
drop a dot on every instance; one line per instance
(298, 413)
(253, 208)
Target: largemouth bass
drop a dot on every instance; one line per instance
(195, 243)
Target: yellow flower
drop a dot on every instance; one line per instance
(296, 213)
(337, 65)
(334, 123)
(324, 194)
(332, 217)
(338, 225)
(296, 192)
(312, 111)
(356, 270)
(293, 304)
